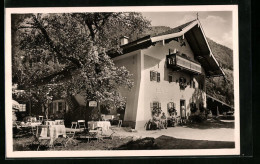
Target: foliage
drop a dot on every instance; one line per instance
(198, 118)
(171, 110)
(182, 85)
(156, 111)
(68, 51)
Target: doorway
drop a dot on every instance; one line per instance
(182, 104)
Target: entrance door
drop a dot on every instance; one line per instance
(182, 105)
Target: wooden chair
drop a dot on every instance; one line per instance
(96, 133)
(42, 136)
(81, 124)
(70, 135)
(41, 118)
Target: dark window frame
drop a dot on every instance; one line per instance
(155, 76)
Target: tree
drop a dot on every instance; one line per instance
(67, 52)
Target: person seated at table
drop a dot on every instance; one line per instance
(157, 120)
(103, 118)
(164, 121)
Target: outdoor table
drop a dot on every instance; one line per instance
(54, 132)
(34, 124)
(103, 124)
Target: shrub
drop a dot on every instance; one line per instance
(197, 118)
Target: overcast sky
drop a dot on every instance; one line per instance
(216, 25)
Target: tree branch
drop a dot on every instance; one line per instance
(53, 47)
(20, 27)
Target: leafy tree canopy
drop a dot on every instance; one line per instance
(67, 51)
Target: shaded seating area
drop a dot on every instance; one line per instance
(50, 134)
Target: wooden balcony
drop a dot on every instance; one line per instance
(178, 62)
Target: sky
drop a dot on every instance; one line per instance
(217, 25)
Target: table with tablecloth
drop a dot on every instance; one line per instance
(34, 124)
(54, 131)
(105, 125)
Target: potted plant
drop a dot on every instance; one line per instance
(182, 85)
(156, 110)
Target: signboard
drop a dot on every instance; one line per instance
(92, 104)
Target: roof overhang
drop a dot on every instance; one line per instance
(197, 40)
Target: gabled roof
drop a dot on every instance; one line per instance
(174, 30)
(196, 38)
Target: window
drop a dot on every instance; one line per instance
(22, 107)
(155, 108)
(154, 76)
(170, 78)
(155, 104)
(54, 107)
(171, 107)
(60, 106)
(182, 83)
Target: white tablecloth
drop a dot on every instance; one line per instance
(57, 130)
(103, 124)
(34, 124)
(54, 132)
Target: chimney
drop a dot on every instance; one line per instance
(123, 40)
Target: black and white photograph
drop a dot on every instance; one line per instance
(122, 81)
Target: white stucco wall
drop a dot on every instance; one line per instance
(132, 62)
(164, 92)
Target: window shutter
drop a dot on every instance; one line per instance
(151, 105)
(151, 75)
(158, 77)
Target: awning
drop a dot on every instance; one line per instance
(15, 105)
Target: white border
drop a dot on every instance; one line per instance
(195, 152)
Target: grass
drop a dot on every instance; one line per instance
(166, 142)
(148, 143)
(212, 123)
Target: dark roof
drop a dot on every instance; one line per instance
(219, 101)
(195, 37)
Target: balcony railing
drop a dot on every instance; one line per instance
(179, 62)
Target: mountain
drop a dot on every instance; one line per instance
(218, 87)
(223, 54)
